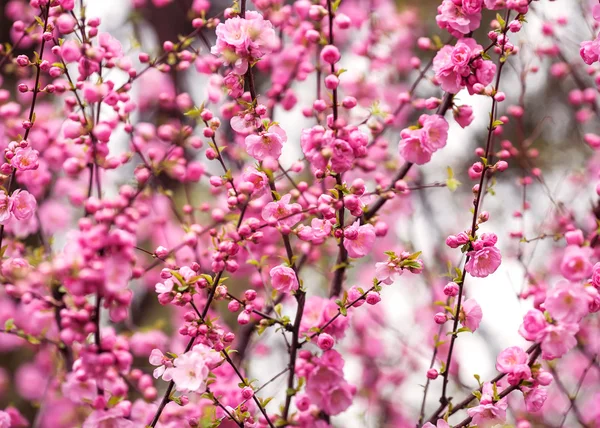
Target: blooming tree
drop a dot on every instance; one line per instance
(261, 221)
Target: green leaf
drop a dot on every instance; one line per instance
(9, 325)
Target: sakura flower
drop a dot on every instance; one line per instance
(113, 418)
(359, 240)
(567, 302)
(483, 262)
(24, 204)
(283, 279)
(471, 314)
(535, 399)
(190, 370)
(316, 233)
(157, 358)
(266, 144)
(25, 159)
(513, 361)
(282, 212)
(558, 339)
(459, 18)
(533, 325)
(440, 424)
(5, 207)
(576, 265)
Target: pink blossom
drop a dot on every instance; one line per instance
(266, 144)
(412, 148)
(316, 233)
(558, 339)
(113, 418)
(190, 370)
(6, 204)
(25, 159)
(24, 204)
(576, 265)
(488, 413)
(359, 240)
(282, 212)
(535, 399)
(459, 19)
(483, 262)
(471, 314)
(440, 424)
(567, 302)
(513, 361)
(283, 279)
(533, 325)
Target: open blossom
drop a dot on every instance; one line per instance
(241, 41)
(114, 418)
(266, 144)
(326, 385)
(157, 358)
(359, 240)
(25, 159)
(488, 413)
(418, 145)
(440, 424)
(471, 314)
(190, 370)
(513, 361)
(567, 302)
(283, 279)
(6, 203)
(558, 339)
(282, 212)
(533, 325)
(535, 399)
(459, 18)
(576, 265)
(319, 311)
(24, 204)
(461, 65)
(483, 262)
(316, 233)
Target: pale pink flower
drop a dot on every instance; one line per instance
(567, 302)
(483, 262)
(112, 418)
(157, 358)
(6, 204)
(471, 314)
(535, 399)
(440, 424)
(513, 361)
(283, 279)
(387, 272)
(488, 413)
(576, 265)
(359, 240)
(24, 204)
(435, 131)
(411, 147)
(316, 233)
(282, 211)
(266, 144)
(459, 19)
(4, 419)
(533, 325)
(190, 370)
(164, 287)
(558, 339)
(25, 159)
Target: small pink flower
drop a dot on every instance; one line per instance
(282, 211)
(558, 339)
(6, 204)
(24, 204)
(25, 159)
(471, 314)
(266, 144)
(483, 262)
(567, 302)
(412, 149)
(513, 361)
(440, 424)
(283, 279)
(533, 325)
(535, 399)
(576, 265)
(359, 240)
